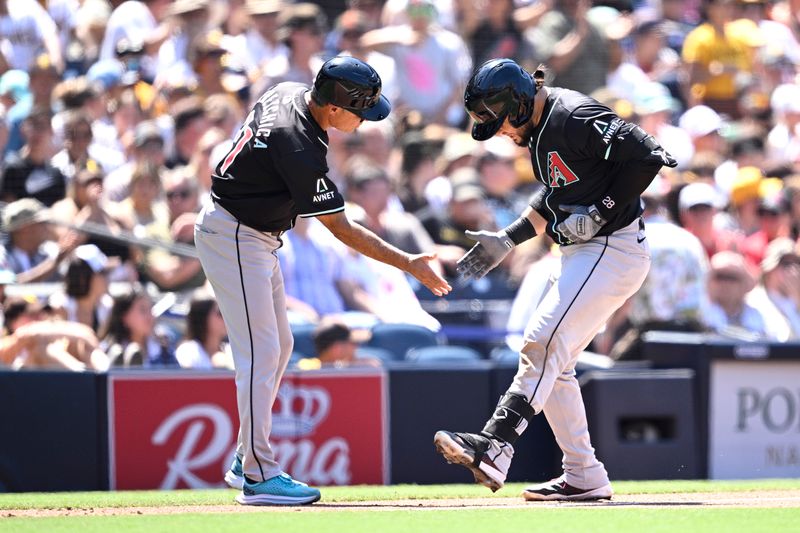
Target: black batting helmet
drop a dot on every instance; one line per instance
(351, 84)
(500, 88)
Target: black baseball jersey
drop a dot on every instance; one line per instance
(276, 168)
(584, 154)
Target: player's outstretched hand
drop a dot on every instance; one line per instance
(492, 247)
(420, 269)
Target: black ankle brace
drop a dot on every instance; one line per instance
(510, 418)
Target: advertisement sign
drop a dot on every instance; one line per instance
(754, 420)
(172, 430)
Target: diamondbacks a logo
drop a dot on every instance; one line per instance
(560, 174)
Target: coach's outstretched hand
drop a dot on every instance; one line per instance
(491, 249)
(419, 268)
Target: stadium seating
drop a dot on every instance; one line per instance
(399, 338)
(304, 339)
(442, 354)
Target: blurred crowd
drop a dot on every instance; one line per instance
(114, 115)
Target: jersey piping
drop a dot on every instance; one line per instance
(542, 175)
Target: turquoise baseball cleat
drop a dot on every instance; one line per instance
(235, 476)
(278, 490)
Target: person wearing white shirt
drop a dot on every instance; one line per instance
(27, 30)
(729, 314)
(260, 45)
(138, 21)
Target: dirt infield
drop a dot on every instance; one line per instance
(760, 499)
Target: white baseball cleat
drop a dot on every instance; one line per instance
(559, 489)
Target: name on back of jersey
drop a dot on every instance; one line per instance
(269, 112)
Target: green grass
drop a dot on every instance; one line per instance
(617, 519)
(488, 521)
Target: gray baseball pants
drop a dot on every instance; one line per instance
(596, 278)
(244, 271)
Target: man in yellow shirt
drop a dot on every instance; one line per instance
(720, 54)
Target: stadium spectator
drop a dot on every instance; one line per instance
(499, 180)
(145, 211)
(575, 51)
(417, 170)
(778, 294)
(224, 112)
(729, 314)
(649, 60)
(146, 21)
(206, 55)
(745, 199)
(369, 187)
(29, 253)
(190, 124)
(27, 30)
(467, 210)
(203, 162)
(259, 45)
(28, 173)
(84, 204)
(350, 28)
(314, 274)
(774, 223)
(128, 337)
(337, 346)
(181, 191)
(302, 28)
(147, 146)
(87, 35)
(75, 155)
(718, 58)
(496, 33)
(190, 20)
(205, 343)
(15, 98)
(698, 203)
(43, 77)
(433, 64)
(85, 297)
(36, 341)
(783, 141)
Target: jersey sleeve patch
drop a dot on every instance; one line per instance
(312, 191)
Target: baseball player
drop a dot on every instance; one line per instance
(274, 172)
(593, 166)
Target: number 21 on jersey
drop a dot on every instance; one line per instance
(245, 134)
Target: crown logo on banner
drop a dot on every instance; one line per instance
(299, 410)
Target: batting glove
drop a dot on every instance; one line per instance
(490, 250)
(582, 224)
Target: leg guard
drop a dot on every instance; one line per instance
(510, 418)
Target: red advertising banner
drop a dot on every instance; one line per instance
(173, 430)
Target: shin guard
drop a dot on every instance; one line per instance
(510, 418)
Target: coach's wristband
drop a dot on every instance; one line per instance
(520, 230)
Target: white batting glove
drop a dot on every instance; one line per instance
(583, 223)
(492, 247)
